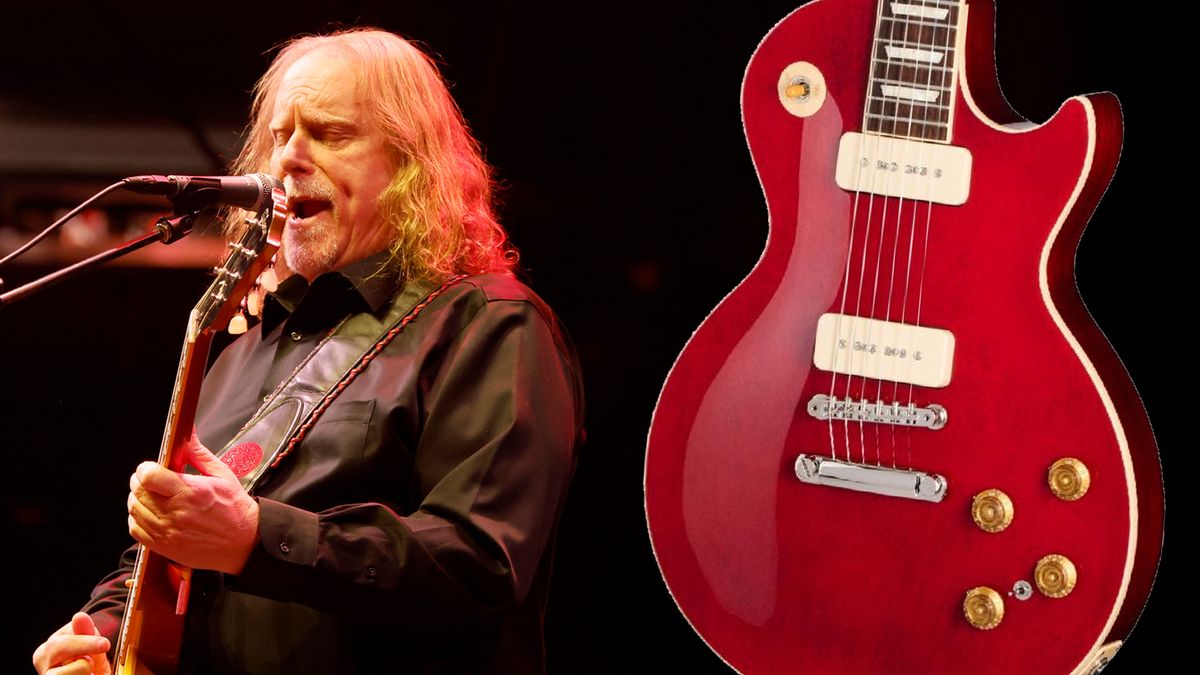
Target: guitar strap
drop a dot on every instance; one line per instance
(287, 415)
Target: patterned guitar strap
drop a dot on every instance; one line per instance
(287, 415)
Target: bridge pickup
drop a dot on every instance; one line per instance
(932, 416)
(884, 350)
(880, 480)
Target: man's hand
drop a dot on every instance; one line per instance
(74, 649)
(205, 522)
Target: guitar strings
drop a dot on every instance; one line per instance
(953, 23)
(903, 178)
(922, 157)
(870, 347)
(909, 181)
(874, 193)
(845, 292)
(856, 325)
(906, 26)
(860, 350)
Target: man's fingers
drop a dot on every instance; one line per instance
(82, 624)
(206, 462)
(73, 646)
(60, 649)
(157, 479)
(139, 533)
(146, 516)
(76, 667)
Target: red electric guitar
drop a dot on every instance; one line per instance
(151, 632)
(901, 444)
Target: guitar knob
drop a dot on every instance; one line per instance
(1069, 479)
(992, 510)
(983, 607)
(1055, 576)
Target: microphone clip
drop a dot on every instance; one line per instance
(171, 230)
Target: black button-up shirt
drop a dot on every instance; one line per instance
(413, 525)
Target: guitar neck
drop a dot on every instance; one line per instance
(180, 423)
(914, 58)
(181, 416)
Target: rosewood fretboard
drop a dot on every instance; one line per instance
(910, 93)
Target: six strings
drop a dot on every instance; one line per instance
(899, 30)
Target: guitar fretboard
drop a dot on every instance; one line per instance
(911, 89)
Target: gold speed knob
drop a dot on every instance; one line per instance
(983, 607)
(992, 510)
(1069, 479)
(1055, 576)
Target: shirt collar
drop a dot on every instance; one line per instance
(371, 282)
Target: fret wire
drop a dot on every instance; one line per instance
(907, 43)
(918, 22)
(912, 64)
(884, 100)
(916, 84)
(951, 17)
(883, 57)
(900, 121)
(940, 4)
(937, 117)
(920, 85)
(915, 65)
(883, 97)
(924, 36)
(939, 114)
(908, 101)
(942, 135)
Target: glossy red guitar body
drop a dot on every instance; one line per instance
(779, 576)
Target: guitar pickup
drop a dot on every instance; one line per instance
(900, 167)
(884, 350)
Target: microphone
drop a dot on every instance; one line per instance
(251, 192)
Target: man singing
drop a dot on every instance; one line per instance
(411, 529)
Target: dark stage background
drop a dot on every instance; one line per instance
(616, 130)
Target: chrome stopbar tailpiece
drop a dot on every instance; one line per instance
(880, 480)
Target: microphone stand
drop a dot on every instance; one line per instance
(167, 230)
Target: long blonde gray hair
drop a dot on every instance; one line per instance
(439, 202)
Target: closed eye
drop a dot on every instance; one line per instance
(332, 135)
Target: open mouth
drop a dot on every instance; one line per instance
(307, 208)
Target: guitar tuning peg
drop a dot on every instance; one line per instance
(253, 301)
(237, 325)
(268, 280)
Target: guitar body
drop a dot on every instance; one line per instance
(156, 630)
(779, 575)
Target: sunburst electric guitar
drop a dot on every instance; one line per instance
(901, 444)
(152, 626)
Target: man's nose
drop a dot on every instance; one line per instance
(296, 158)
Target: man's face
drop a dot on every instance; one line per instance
(334, 163)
